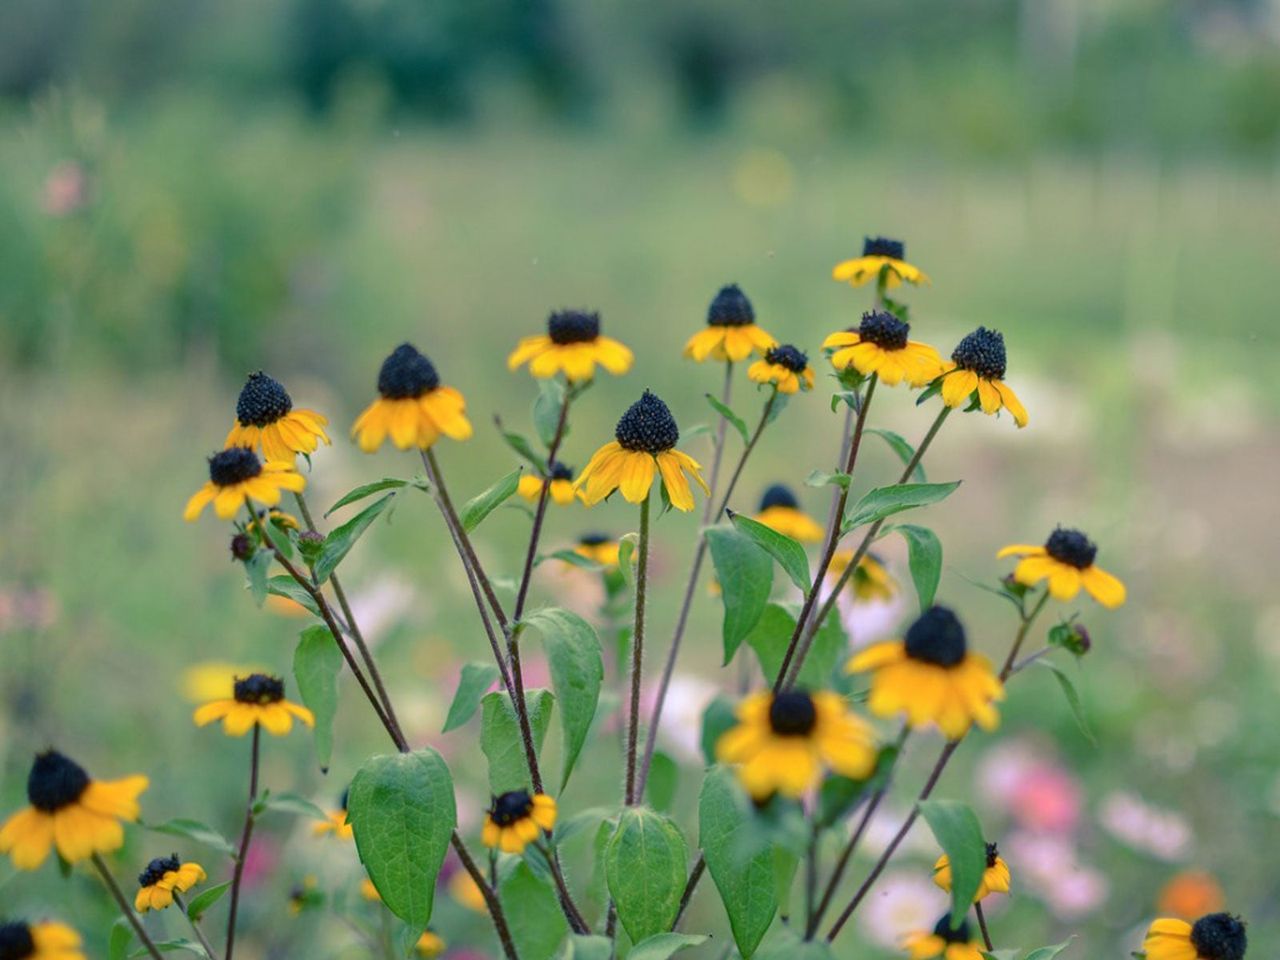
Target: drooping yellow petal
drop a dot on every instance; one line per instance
(27, 836)
(1103, 587)
(958, 386)
(673, 479)
(199, 500)
(636, 477)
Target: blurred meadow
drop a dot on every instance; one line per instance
(189, 193)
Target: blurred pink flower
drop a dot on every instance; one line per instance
(1048, 866)
(33, 608)
(1163, 834)
(66, 189)
(1037, 792)
(261, 861)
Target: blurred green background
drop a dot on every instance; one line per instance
(190, 192)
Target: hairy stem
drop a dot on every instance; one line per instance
(126, 908)
(637, 654)
(695, 874)
(536, 533)
(490, 897)
(246, 834)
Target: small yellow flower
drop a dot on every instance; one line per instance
(1066, 561)
(278, 518)
(163, 877)
(871, 580)
(786, 367)
(731, 333)
(304, 896)
(780, 511)
(559, 485)
(644, 447)
(464, 889)
(39, 941)
(515, 819)
(414, 409)
(880, 345)
(600, 547)
(267, 421)
(943, 943)
(995, 878)
(932, 678)
(879, 253)
(336, 822)
(430, 945)
(783, 742)
(572, 345)
(69, 810)
(977, 366)
(236, 475)
(1218, 936)
(258, 699)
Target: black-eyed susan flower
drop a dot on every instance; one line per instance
(879, 254)
(931, 677)
(1218, 936)
(163, 877)
(572, 345)
(430, 945)
(267, 421)
(258, 699)
(414, 409)
(870, 580)
(995, 877)
(70, 810)
(515, 819)
(783, 742)
(780, 511)
(336, 822)
(305, 896)
(236, 475)
(600, 547)
(880, 345)
(39, 941)
(277, 518)
(559, 482)
(464, 889)
(731, 332)
(944, 942)
(977, 366)
(644, 446)
(786, 367)
(1066, 561)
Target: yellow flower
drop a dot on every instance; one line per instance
(572, 345)
(600, 547)
(515, 819)
(559, 485)
(977, 365)
(464, 889)
(430, 945)
(304, 896)
(786, 367)
(780, 511)
(944, 943)
(212, 680)
(278, 518)
(369, 891)
(39, 941)
(163, 877)
(880, 345)
(783, 742)
(266, 421)
(870, 580)
(1218, 936)
(413, 409)
(995, 878)
(731, 333)
(1066, 561)
(336, 823)
(932, 678)
(879, 253)
(258, 699)
(236, 475)
(69, 810)
(645, 442)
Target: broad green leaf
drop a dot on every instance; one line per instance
(119, 939)
(664, 778)
(255, 568)
(480, 506)
(1073, 698)
(577, 670)
(500, 738)
(571, 557)
(738, 423)
(284, 585)
(956, 828)
(574, 824)
(196, 831)
(662, 945)
(745, 573)
(520, 445)
(789, 554)
(719, 717)
(746, 883)
(646, 870)
(838, 795)
(199, 905)
(317, 661)
(904, 450)
(367, 490)
(772, 635)
(546, 410)
(1048, 953)
(402, 810)
(587, 947)
(476, 678)
(785, 865)
(341, 539)
(533, 913)
(173, 946)
(924, 557)
(294, 804)
(278, 538)
(886, 501)
(785, 944)
(819, 478)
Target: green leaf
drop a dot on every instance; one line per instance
(772, 635)
(789, 554)
(924, 557)
(738, 423)
(902, 448)
(500, 738)
(520, 445)
(838, 795)
(533, 913)
(662, 945)
(1048, 953)
(586, 946)
(284, 585)
(546, 410)
(719, 717)
(1073, 699)
(787, 945)
(278, 538)
(746, 883)
(341, 539)
(255, 569)
(476, 678)
(402, 810)
(294, 804)
(819, 478)
(172, 946)
(317, 661)
(119, 939)
(196, 831)
(575, 823)
(577, 670)
(664, 778)
(1009, 954)
(367, 490)
(646, 871)
(627, 545)
(956, 828)
(886, 501)
(480, 506)
(199, 905)
(745, 572)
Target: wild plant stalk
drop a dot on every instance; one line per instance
(246, 834)
(637, 653)
(535, 534)
(126, 908)
(195, 926)
(982, 925)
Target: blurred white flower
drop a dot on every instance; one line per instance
(1047, 865)
(900, 903)
(681, 724)
(1163, 834)
(380, 605)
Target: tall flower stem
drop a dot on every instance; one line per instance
(126, 908)
(490, 897)
(195, 926)
(574, 916)
(246, 834)
(695, 874)
(637, 654)
(982, 925)
(535, 534)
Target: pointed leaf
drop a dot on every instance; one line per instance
(886, 501)
(294, 804)
(284, 585)
(956, 828)
(662, 945)
(501, 741)
(119, 939)
(1048, 953)
(924, 557)
(367, 490)
(1072, 697)
(476, 678)
(738, 423)
(773, 633)
(483, 504)
(745, 573)
(196, 831)
(255, 569)
(788, 552)
(546, 410)
(317, 661)
(533, 912)
(646, 869)
(341, 539)
(902, 448)
(199, 905)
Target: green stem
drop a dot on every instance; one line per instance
(126, 909)
(536, 533)
(195, 927)
(637, 654)
(982, 924)
(245, 835)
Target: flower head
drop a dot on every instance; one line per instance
(1066, 561)
(572, 345)
(786, 367)
(643, 447)
(336, 823)
(430, 945)
(731, 333)
(163, 877)
(39, 941)
(600, 547)
(236, 475)
(515, 819)
(783, 742)
(880, 345)
(780, 511)
(1218, 936)
(944, 942)
(559, 483)
(995, 878)
(414, 408)
(976, 371)
(266, 420)
(931, 677)
(879, 255)
(70, 810)
(870, 580)
(258, 699)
